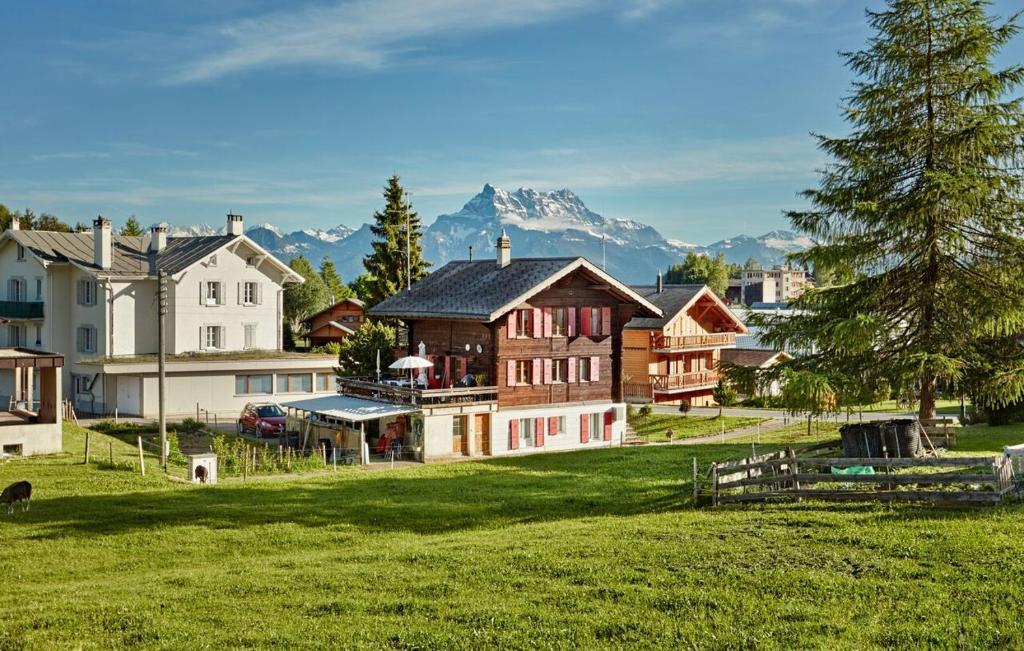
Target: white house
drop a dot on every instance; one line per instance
(92, 296)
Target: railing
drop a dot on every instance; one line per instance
(684, 381)
(368, 388)
(665, 342)
(638, 391)
(21, 309)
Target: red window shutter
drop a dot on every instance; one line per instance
(547, 371)
(571, 327)
(510, 371)
(553, 425)
(584, 428)
(512, 324)
(538, 426)
(537, 377)
(609, 417)
(606, 321)
(513, 434)
(571, 375)
(595, 369)
(431, 373)
(585, 321)
(547, 322)
(538, 323)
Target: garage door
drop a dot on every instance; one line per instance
(128, 393)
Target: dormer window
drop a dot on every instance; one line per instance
(250, 261)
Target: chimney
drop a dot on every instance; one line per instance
(15, 223)
(504, 250)
(103, 243)
(157, 238)
(661, 282)
(234, 224)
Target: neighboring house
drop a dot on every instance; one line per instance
(30, 425)
(336, 322)
(541, 339)
(92, 296)
(779, 285)
(677, 356)
(760, 359)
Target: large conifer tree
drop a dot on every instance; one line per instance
(920, 207)
(394, 228)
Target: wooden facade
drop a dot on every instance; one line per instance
(322, 326)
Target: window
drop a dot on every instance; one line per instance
(39, 335)
(524, 323)
(250, 336)
(597, 427)
(86, 339)
(214, 293)
(250, 261)
(82, 384)
(15, 335)
(595, 322)
(16, 290)
(39, 289)
(213, 337)
(526, 432)
(21, 252)
(559, 370)
(213, 261)
(323, 381)
(13, 449)
(295, 383)
(524, 369)
(348, 318)
(86, 292)
(557, 425)
(584, 374)
(559, 322)
(250, 293)
(254, 384)
(460, 426)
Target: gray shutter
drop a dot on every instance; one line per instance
(241, 293)
(202, 295)
(259, 293)
(221, 293)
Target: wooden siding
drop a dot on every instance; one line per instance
(321, 329)
(450, 338)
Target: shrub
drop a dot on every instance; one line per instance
(330, 348)
(684, 407)
(191, 425)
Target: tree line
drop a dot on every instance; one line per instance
(29, 221)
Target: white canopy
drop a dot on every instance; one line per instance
(350, 408)
(411, 362)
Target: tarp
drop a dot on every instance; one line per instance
(853, 470)
(350, 408)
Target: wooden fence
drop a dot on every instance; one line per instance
(786, 475)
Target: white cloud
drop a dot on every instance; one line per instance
(116, 150)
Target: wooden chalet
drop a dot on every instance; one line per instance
(336, 322)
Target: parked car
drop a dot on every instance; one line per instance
(262, 418)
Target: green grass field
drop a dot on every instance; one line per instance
(588, 549)
(655, 427)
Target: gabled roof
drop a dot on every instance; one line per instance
(755, 357)
(480, 290)
(180, 253)
(674, 299)
(352, 299)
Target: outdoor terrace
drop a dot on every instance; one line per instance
(399, 391)
(670, 344)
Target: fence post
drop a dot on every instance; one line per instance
(696, 482)
(86, 447)
(714, 484)
(142, 459)
(111, 444)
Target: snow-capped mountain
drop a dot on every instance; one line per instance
(195, 230)
(555, 223)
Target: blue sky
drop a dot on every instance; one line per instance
(690, 115)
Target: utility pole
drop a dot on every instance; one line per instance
(408, 249)
(162, 348)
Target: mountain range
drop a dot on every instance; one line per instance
(555, 223)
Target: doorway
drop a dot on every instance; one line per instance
(460, 435)
(482, 426)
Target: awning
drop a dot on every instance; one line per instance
(350, 408)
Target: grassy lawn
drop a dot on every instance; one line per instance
(655, 427)
(599, 548)
(951, 407)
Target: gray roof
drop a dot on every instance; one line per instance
(131, 255)
(671, 300)
(480, 290)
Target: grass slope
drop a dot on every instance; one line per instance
(656, 426)
(587, 549)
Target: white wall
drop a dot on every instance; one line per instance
(133, 327)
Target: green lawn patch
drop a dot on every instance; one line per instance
(590, 549)
(656, 426)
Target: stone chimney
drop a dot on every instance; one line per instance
(234, 224)
(103, 243)
(661, 282)
(15, 223)
(504, 250)
(157, 238)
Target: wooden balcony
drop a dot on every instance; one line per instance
(684, 381)
(396, 392)
(667, 344)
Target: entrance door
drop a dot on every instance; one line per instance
(483, 433)
(460, 435)
(128, 396)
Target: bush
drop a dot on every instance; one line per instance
(190, 425)
(330, 348)
(684, 407)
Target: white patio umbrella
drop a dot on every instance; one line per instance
(378, 365)
(410, 363)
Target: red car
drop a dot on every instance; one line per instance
(265, 419)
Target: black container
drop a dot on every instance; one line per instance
(861, 440)
(902, 438)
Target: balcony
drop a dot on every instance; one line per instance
(399, 392)
(684, 381)
(668, 344)
(21, 310)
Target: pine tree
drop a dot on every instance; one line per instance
(336, 289)
(395, 229)
(131, 227)
(922, 203)
(302, 300)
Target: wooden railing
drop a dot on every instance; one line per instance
(684, 380)
(368, 388)
(638, 392)
(685, 342)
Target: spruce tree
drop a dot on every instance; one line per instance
(920, 208)
(394, 228)
(335, 288)
(131, 227)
